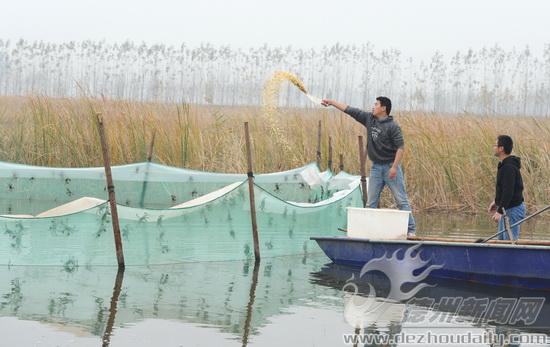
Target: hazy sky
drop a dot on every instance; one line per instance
(417, 27)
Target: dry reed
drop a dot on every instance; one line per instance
(448, 162)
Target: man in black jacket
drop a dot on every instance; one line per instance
(509, 188)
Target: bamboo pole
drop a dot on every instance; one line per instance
(149, 159)
(151, 146)
(365, 154)
(111, 190)
(250, 175)
(329, 162)
(319, 145)
(362, 169)
(341, 166)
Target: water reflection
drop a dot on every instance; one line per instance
(113, 308)
(444, 317)
(251, 299)
(288, 300)
(237, 298)
(116, 294)
(236, 303)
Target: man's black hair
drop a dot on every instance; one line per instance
(506, 142)
(385, 102)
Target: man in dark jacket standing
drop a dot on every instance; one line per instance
(385, 150)
(509, 188)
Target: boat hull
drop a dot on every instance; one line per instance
(525, 266)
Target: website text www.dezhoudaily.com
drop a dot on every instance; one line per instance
(431, 338)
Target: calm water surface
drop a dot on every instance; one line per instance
(288, 301)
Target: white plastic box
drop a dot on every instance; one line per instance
(377, 223)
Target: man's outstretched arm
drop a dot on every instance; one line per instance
(338, 105)
(357, 114)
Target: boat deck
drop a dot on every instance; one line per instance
(503, 242)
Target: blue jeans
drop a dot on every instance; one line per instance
(515, 214)
(378, 179)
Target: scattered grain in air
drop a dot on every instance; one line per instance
(270, 98)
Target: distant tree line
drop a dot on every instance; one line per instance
(487, 81)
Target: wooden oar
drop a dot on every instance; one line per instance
(515, 224)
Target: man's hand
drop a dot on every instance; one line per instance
(497, 216)
(393, 173)
(338, 105)
(326, 102)
(492, 207)
(398, 157)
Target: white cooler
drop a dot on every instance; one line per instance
(377, 223)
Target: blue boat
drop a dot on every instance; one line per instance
(525, 264)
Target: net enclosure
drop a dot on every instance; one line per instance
(61, 216)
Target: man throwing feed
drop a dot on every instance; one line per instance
(385, 147)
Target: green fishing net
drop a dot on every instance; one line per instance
(212, 224)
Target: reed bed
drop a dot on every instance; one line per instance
(448, 163)
(489, 80)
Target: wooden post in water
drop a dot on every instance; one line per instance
(250, 175)
(319, 145)
(111, 190)
(149, 159)
(363, 170)
(341, 167)
(151, 146)
(329, 162)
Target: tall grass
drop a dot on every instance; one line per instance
(448, 162)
